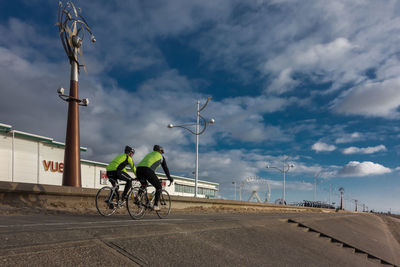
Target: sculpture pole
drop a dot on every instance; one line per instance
(71, 28)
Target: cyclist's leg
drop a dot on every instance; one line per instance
(128, 179)
(141, 176)
(112, 177)
(153, 180)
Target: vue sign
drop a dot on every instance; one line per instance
(53, 166)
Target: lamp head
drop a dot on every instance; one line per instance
(170, 125)
(92, 38)
(212, 121)
(85, 101)
(60, 91)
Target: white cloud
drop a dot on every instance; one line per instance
(364, 150)
(321, 146)
(366, 168)
(299, 186)
(347, 138)
(371, 99)
(283, 83)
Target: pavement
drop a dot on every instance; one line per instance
(198, 239)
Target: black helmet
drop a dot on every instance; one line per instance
(158, 148)
(128, 150)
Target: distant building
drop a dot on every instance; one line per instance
(30, 158)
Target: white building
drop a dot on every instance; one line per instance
(30, 158)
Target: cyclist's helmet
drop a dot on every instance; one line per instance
(128, 150)
(158, 148)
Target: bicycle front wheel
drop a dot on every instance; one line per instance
(164, 204)
(104, 204)
(135, 203)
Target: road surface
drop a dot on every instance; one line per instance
(216, 239)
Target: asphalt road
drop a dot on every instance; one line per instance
(222, 239)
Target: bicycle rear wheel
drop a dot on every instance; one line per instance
(165, 205)
(103, 205)
(135, 203)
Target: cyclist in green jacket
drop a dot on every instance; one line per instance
(146, 171)
(116, 170)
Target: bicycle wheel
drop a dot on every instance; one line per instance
(165, 205)
(135, 203)
(104, 207)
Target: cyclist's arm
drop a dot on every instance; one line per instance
(130, 161)
(166, 170)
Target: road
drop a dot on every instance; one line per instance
(216, 239)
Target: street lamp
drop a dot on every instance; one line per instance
(315, 185)
(341, 190)
(285, 168)
(197, 132)
(72, 27)
(234, 183)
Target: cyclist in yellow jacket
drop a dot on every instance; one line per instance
(116, 170)
(146, 171)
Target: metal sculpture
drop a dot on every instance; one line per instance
(72, 27)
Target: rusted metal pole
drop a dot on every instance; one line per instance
(72, 156)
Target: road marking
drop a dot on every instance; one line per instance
(81, 223)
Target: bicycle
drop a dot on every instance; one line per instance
(107, 200)
(138, 201)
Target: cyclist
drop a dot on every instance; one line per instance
(116, 170)
(146, 171)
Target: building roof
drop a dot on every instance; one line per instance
(46, 140)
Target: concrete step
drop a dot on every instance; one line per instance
(339, 243)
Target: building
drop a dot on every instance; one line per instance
(30, 158)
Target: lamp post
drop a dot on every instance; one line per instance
(72, 27)
(285, 168)
(234, 183)
(315, 185)
(197, 132)
(341, 190)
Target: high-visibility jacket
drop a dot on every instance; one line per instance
(120, 162)
(153, 160)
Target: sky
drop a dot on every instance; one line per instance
(314, 82)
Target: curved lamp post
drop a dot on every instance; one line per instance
(72, 27)
(285, 168)
(197, 132)
(316, 176)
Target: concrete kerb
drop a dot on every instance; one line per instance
(72, 199)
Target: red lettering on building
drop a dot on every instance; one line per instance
(46, 165)
(61, 167)
(53, 166)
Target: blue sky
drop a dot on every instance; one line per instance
(317, 81)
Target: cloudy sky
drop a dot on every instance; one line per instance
(315, 81)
